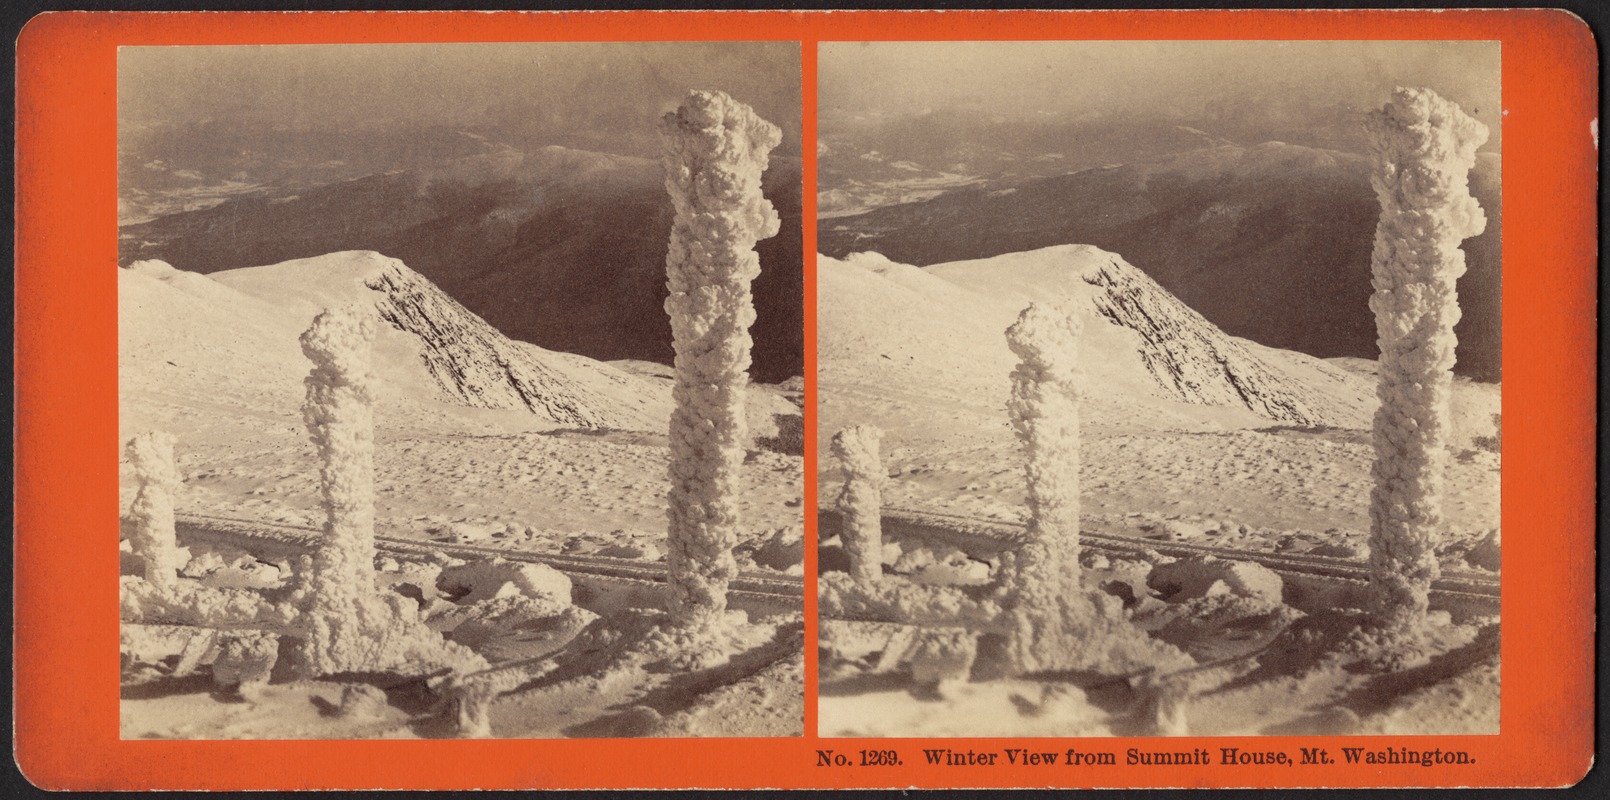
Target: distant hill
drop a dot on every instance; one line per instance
(1271, 243)
(557, 247)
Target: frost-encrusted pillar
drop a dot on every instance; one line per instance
(715, 151)
(152, 537)
(861, 500)
(339, 417)
(1424, 147)
(1044, 411)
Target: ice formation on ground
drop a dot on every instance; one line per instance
(190, 603)
(902, 601)
(152, 535)
(1424, 147)
(861, 500)
(715, 150)
(245, 661)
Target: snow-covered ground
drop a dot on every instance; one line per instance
(1189, 436)
(480, 442)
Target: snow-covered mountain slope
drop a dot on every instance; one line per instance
(239, 329)
(1150, 359)
(1180, 421)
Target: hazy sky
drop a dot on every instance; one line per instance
(1122, 78)
(572, 85)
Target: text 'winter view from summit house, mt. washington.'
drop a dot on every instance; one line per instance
(1158, 388)
(461, 390)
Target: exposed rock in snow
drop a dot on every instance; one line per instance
(152, 535)
(1424, 147)
(715, 151)
(1194, 361)
(478, 366)
(1486, 553)
(861, 500)
(1078, 630)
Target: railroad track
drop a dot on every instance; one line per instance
(991, 536)
(277, 540)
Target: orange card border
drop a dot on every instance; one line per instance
(65, 601)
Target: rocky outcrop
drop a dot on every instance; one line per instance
(477, 366)
(1191, 359)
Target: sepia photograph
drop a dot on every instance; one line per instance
(510, 400)
(1159, 390)
(460, 390)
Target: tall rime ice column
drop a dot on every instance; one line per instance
(152, 538)
(1424, 148)
(1044, 410)
(337, 411)
(861, 501)
(715, 152)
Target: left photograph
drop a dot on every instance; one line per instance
(460, 390)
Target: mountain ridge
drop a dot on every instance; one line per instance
(558, 247)
(1271, 243)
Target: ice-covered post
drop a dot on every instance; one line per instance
(338, 414)
(1424, 147)
(152, 537)
(861, 501)
(715, 149)
(1044, 411)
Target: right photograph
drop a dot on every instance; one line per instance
(1159, 390)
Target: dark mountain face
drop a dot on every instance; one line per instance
(1271, 243)
(561, 248)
